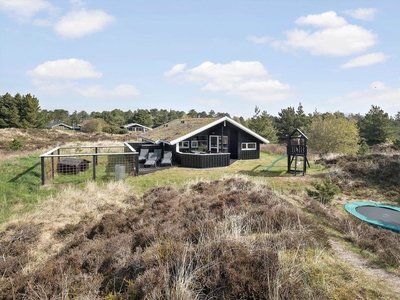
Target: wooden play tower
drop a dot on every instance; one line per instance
(297, 152)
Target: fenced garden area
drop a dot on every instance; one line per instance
(63, 165)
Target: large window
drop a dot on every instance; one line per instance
(249, 146)
(202, 143)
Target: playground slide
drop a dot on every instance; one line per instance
(278, 159)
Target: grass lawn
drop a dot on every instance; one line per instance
(276, 177)
(20, 186)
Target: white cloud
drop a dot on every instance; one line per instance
(366, 14)
(24, 8)
(123, 90)
(64, 69)
(249, 80)
(83, 22)
(365, 60)
(259, 40)
(378, 94)
(77, 23)
(59, 76)
(335, 38)
(326, 19)
(175, 70)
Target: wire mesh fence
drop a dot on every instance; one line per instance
(63, 165)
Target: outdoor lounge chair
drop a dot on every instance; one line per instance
(154, 158)
(144, 153)
(167, 159)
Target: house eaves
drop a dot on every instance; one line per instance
(223, 119)
(135, 124)
(52, 125)
(179, 130)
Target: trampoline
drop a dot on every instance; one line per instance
(382, 215)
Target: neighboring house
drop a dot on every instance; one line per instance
(205, 142)
(136, 127)
(61, 126)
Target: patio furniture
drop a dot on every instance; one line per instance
(154, 158)
(143, 155)
(167, 159)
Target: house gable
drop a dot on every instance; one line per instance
(136, 127)
(182, 129)
(60, 126)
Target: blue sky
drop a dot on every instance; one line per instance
(226, 56)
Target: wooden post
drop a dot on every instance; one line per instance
(52, 167)
(136, 164)
(42, 170)
(94, 166)
(289, 154)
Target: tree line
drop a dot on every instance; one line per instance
(327, 132)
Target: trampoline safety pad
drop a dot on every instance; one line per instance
(386, 216)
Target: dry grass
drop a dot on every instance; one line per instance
(40, 140)
(66, 209)
(224, 239)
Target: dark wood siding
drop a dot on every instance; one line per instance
(244, 137)
(248, 154)
(211, 160)
(233, 143)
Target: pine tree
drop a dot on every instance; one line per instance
(289, 119)
(285, 123)
(9, 115)
(261, 123)
(376, 127)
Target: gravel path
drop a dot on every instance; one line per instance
(392, 280)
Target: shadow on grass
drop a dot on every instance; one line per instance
(18, 176)
(258, 171)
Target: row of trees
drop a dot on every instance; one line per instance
(327, 132)
(150, 118)
(330, 132)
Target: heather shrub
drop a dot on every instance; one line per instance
(226, 239)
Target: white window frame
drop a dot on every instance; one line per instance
(245, 146)
(194, 144)
(184, 145)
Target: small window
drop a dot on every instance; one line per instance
(194, 144)
(184, 145)
(249, 146)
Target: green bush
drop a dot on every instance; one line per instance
(325, 191)
(396, 144)
(15, 145)
(364, 148)
(114, 130)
